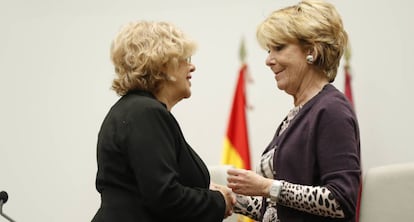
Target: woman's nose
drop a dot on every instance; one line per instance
(192, 67)
(270, 60)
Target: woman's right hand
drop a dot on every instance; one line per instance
(248, 183)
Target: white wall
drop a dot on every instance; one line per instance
(56, 75)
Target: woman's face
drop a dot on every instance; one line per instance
(289, 66)
(180, 84)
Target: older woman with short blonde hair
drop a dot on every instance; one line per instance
(147, 171)
(310, 171)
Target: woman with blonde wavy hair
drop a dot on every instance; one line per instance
(310, 171)
(146, 169)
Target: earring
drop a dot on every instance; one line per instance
(309, 59)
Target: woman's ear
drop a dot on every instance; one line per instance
(311, 55)
(314, 52)
(164, 69)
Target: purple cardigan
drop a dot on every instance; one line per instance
(321, 147)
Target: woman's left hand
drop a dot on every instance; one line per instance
(247, 182)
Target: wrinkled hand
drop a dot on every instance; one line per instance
(229, 197)
(247, 182)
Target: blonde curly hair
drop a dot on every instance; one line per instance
(142, 49)
(315, 25)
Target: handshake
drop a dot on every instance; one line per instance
(228, 195)
(239, 181)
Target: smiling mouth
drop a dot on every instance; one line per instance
(277, 72)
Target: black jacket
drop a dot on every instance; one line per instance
(146, 170)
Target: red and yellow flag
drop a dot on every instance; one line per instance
(236, 150)
(236, 143)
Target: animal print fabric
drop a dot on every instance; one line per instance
(248, 206)
(312, 199)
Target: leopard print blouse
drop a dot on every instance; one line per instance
(312, 199)
(316, 200)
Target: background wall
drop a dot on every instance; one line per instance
(56, 76)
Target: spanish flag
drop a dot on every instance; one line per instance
(236, 143)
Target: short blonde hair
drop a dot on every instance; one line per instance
(141, 50)
(315, 25)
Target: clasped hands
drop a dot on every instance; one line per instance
(229, 197)
(244, 182)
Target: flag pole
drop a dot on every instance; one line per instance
(347, 56)
(248, 77)
(242, 51)
(236, 143)
(348, 76)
